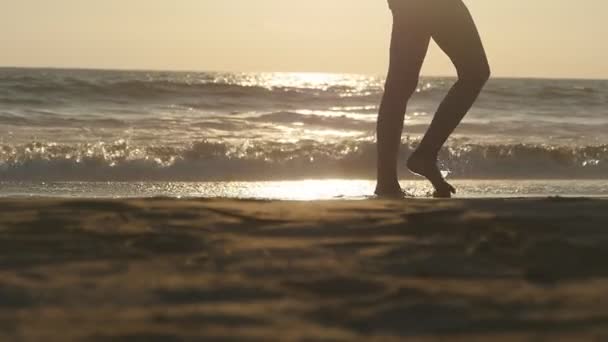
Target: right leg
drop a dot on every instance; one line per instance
(456, 34)
(409, 44)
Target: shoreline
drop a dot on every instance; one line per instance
(324, 189)
(220, 269)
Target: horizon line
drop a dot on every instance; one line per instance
(127, 69)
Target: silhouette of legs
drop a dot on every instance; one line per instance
(451, 26)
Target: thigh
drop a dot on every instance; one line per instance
(410, 39)
(455, 32)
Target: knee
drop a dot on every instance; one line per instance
(401, 87)
(475, 76)
(485, 73)
(397, 93)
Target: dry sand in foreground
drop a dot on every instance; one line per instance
(222, 270)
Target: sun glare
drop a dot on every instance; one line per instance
(309, 190)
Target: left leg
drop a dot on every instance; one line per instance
(456, 34)
(409, 43)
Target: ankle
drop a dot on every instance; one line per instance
(388, 186)
(423, 154)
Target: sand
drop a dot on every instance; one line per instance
(226, 270)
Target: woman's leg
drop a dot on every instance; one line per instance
(456, 34)
(409, 44)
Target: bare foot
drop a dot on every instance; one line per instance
(427, 167)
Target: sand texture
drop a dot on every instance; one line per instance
(224, 270)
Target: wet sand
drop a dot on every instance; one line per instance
(226, 270)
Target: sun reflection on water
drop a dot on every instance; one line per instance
(306, 190)
(303, 80)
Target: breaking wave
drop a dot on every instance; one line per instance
(207, 160)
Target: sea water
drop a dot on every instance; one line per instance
(93, 133)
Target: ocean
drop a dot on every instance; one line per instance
(93, 133)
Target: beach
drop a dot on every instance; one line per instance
(272, 171)
(163, 269)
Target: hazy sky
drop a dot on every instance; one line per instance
(554, 38)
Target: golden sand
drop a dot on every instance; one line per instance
(207, 270)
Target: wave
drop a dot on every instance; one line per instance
(152, 89)
(212, 91)
(208, 160)
(30, 90)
